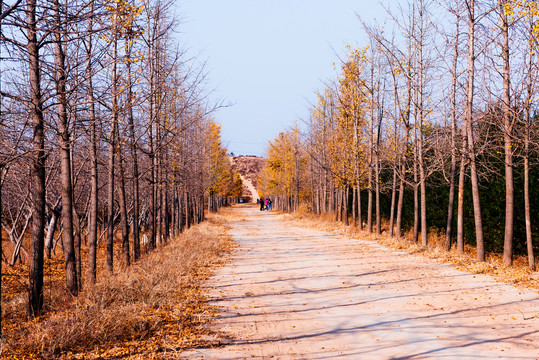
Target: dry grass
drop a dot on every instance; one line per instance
(153, 309)
(517, 274)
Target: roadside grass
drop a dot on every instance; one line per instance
(518, 274)
(152, 309)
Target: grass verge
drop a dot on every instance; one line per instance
(152, 309)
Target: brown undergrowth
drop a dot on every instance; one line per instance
(517, 274)
(153, 309)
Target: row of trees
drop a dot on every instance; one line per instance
(435, 121)
(105, 129)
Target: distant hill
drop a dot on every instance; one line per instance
(249, 168)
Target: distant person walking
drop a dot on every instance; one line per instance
(261, 204)
(269, 204)
(266, 204)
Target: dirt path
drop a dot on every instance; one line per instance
(294, 293)
(249, 185)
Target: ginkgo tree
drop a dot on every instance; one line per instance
(345, 146)
(223, 181)
(430, 113)
(284, 176)
(100, 91)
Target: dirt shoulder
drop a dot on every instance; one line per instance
(151, 310)
(296, 293)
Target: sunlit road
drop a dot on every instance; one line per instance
(294, 293)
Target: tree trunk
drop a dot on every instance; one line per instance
(152, 143)
(416, 196)
(325, 193)
(187, 211)
(78, 243)
(345, 203)
(400, 203)
(112, 149)
(65, 155)
(157, 167)
(152, 198)
(452, 176)
(174, 208)
(123, 206)
(369, 202)
(377, 180)
(181, 212)
(314, 196)
(395, 163)
(92, 216)
(393, 197)
(2, 176)
(134, 159)
(421, 115)
(296, 178)
(354, 205)
(359, 217)
(469, 132)
(529, 243)
(51, 228)
(527, 215)
(166, 210)
(507, 140)
(370, 128)
(460, 203)
(340, 204)
(424, 238)
(331, 200)
(35, 278)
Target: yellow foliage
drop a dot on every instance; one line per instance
(524, 8)
(285, 167)
(223, 180)
(123, 15)
(345, 145)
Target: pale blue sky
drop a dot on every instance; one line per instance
(268, 57)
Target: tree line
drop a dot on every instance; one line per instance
(107, 135)
(431, 126)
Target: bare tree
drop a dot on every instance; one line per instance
(64, 139)
(470, 71)
(507, 138)
(93, 211)
(35, 301)
(453, 115)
